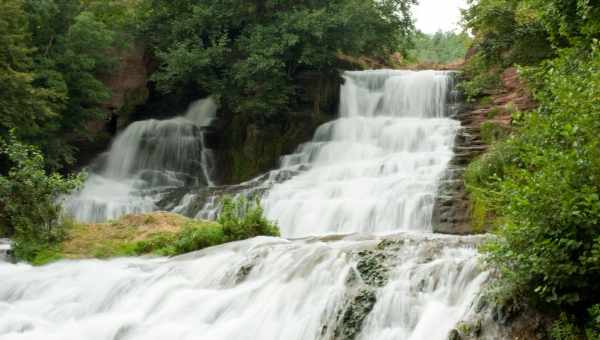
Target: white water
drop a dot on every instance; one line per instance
(293, 290)
(375, 169)
(144, 160)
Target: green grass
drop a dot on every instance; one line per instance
(162, 234)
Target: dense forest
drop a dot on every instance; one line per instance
(537, 187)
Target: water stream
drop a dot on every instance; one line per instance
(371, 174)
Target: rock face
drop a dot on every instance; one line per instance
(128, 84)
(492, 321)
(247, 148)
(452, 210)
(451, 213)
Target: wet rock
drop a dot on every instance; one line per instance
(243, 273)
(350, 320)
(372, 269)
(6, 253)
(454, 335)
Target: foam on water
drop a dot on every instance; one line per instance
(265, 288)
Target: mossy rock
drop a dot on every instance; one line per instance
(351, 319)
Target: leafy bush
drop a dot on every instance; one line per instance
(248, 54)
(544, 184)
(481, 80)
(30, 210)
(240, 219)
(492, 132)
(198, 237)
(565, 329)
(243, 218)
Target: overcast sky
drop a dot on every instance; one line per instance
(433, 15)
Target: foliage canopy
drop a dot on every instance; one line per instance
(248, 53)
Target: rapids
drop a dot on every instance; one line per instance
(265, 288)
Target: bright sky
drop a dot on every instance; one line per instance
(433, 15)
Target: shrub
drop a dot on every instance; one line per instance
(545, 185)
(243, 218)
(492, 132)
(30, 199)
(481, 78)
(565, 329)
(196, 237)
(240, 219)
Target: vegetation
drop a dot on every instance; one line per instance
(162, 234)
(439, 48)
(248, 54)
(29, 207)
(54, 52)
(541, 185)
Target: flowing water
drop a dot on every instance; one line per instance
(147, 159)
(373, 172)
(264, 288)
(376, 168)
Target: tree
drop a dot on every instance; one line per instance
(439, 48)
(23, 105)
(30, 209)
(248, 53)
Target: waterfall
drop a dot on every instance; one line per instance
(373, 172)
(376, 168)
(146, 159)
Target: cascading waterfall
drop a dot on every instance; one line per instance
(149, 157)
(376, 168)
(372, 172)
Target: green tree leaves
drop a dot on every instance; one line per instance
(249, 53)
(29, 199)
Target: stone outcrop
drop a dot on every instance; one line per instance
(490, 320)
(6, 254)
(128, 85)
(248, 148)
